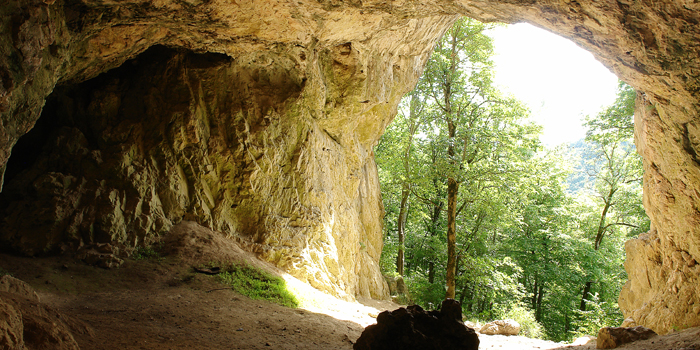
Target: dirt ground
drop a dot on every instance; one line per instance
(161, 303)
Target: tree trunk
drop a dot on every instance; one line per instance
(601, 224)
(452, 189)
(537, 294)
(452, 184)
(586, 291)
(402, 227)
(538, 311)
(406, 187)
(598, 240)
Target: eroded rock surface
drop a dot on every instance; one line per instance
(312, 86)
(12, 285)
(27, 324)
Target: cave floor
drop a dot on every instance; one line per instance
(162, 304)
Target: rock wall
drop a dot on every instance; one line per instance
(269, 142)
(309, 87)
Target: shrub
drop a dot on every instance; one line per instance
(427, 295)
(529, 327)
(143, 253)
(257, 284)
(599, 314)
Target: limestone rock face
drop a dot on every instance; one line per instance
(268, 136)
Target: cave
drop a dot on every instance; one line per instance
(121, 120)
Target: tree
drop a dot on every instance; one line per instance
(475, 205)
(471, 120)
(398, 142)
(616, 170)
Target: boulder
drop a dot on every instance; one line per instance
(612, 337)
(474, 325)
(27, 324)
(398, 290)
(11, 327)
(103, 255)
(414, 328)
(15, 286)
(501, 327)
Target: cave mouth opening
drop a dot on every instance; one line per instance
(526, 234)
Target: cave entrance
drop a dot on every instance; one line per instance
(539, 228)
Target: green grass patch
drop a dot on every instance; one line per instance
(144, 253)
(257, 284)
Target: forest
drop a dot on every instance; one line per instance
(477, 209)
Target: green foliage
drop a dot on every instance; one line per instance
(529, 327)
(257, 284)
(677, 328)
(599, 314)
(403, 299)
(424, 293)
(387, 261)
(615, 122)
(145, 252)
(535, 241)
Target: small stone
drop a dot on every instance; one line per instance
(501, 327)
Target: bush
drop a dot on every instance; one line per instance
(529, 327)
(599, 314)
(143, 253)
(427, 295)
(387, 261)
(257, 284)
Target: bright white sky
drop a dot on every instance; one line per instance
(558, 80)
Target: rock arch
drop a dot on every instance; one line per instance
(299, 92)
